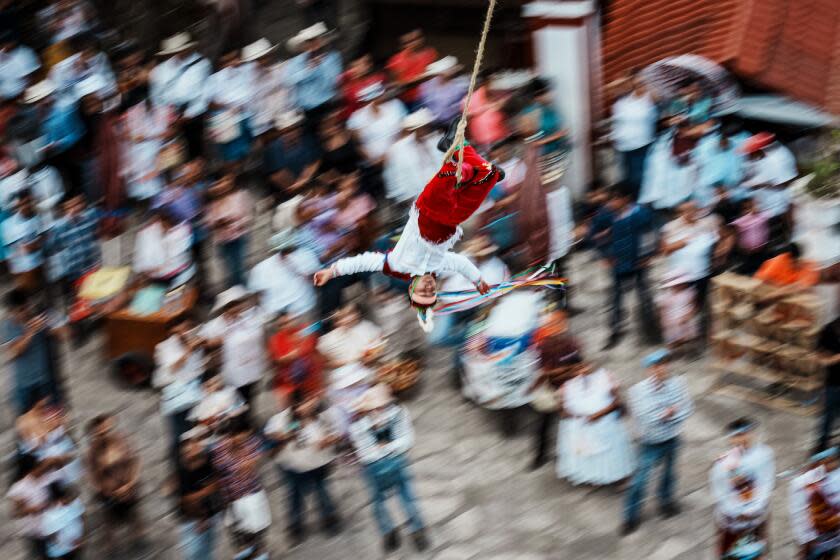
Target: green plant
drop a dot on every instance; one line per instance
(826, 168)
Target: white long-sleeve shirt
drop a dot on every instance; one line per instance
(798, 501)
(372, 261)
(399, 439)
(412, 255)
(179, 82)
(758, 463)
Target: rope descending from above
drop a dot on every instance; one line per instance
(460, 133)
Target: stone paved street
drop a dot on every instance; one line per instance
(475, 492)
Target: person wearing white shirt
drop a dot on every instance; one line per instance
(814, 506)
(381, 436)
(63, 523)
(689, 241)
(17, 65)
(163, 250)
(283, 280)
(270, 95)
(378, 123)
(29, 497)
(48, 189)
(634, 119)
(353, 339)
(13, 179)
(180, 365)
(305, 434)
(178, 81)
(87, 63)
(239, 331)
(492, 269)
(742, 481)
(22, 236)
(770, 169)
(228, 93)
(411, 160)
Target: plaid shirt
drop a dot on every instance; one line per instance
(74, 245)
(648, 402)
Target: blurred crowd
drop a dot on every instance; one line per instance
(183, 157)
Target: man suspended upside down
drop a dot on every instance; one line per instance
(424, 248)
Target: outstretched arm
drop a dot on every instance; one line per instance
(366, 262)
(465, 267)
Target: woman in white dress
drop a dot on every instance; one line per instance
(593, 446)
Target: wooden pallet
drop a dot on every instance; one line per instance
(754, 383)
(780, 403)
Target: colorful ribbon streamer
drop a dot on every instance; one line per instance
(462, 300)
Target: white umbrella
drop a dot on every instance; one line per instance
(665, 76)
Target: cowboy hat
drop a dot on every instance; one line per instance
(378, 396)
(349, 375)
(282, 240)
(288, 119)
(198, 432)
(656, 357)
(757, 142)
(39, 91)
(418, 119)
(230, 296)
(92, 85)
(305, 35)
(371, 92)
(444, 65)
(176, 43)
(257, 49)
(510, 80)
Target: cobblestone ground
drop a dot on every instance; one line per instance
(475, 492)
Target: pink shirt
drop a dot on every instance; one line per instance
(486, 127)
(753, 231)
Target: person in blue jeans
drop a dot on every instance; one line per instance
(305, 437)
(660, 404)
(381, 436)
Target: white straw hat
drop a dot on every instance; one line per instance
(231, 295)
(418, 119)
(39, 91)
(257, 49)
(378, 396)
(288, 120)
(371, 92)
(312, 32)
(177, 43)
(445, 64)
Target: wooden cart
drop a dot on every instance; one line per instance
(131, 338)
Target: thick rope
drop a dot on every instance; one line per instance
(460, 133)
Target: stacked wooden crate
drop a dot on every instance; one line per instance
(766, 347)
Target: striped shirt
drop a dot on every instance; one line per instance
(235, 465)
(649, 400)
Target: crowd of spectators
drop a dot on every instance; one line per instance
(179, 155)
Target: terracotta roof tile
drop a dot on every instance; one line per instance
(788, 45)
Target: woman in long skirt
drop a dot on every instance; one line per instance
(593, 446)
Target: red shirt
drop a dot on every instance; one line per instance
(351, 87)
(406, 66)
(305, 372)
